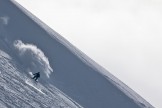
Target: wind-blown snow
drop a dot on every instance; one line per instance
(33, 58)
(4, 20)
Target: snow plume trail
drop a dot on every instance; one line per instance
(33, 58)
(4, 20)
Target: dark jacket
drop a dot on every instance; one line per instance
(37, 74)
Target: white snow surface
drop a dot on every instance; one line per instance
(28, 45)
(19, 91)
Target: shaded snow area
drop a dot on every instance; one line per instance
(17, 88)
(27, 46)
(19, 91)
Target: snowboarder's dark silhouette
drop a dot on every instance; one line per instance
(36, 76)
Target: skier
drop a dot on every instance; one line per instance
(36, 76)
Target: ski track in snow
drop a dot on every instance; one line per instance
(16, 93)
(35, 86)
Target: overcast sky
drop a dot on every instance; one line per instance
(123, 36)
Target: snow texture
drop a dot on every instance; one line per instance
(19, 91)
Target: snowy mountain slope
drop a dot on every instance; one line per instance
(73, 72)
(16, 93)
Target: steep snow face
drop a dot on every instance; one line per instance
(19, 91)
(74, 74)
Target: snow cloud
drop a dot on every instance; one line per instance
(33, 58)
(4, 20)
